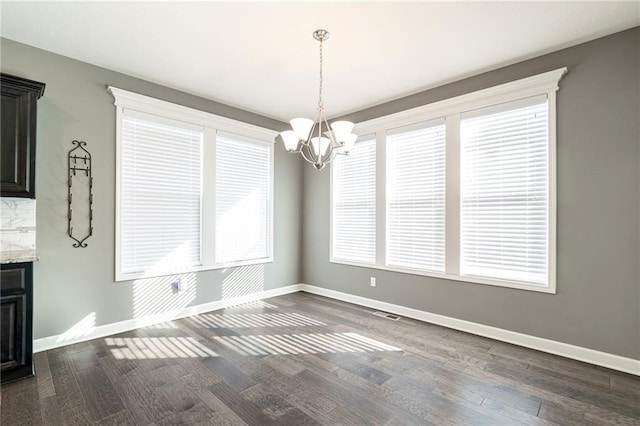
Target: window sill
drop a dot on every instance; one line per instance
(550, 289)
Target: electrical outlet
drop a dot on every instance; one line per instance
(373, 281)
(175, 285)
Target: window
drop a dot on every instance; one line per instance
(505, 191)
(353, 211)
(415, 197)
(161, 192)
(194, 191)
(243, 170)
(468, 186)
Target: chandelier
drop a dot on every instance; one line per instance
(315, 140)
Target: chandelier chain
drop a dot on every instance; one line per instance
(320, 103)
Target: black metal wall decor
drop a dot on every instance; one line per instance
(79, 166)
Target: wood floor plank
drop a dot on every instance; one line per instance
(304, 395)
(443, 408)
(51, 415)
(244, 408)
(230, 373)
(561, 415)
(139, 391)
(289, 366)
(585, 393)
(351, 363)
(366, 410)
(123, 417)
(316, 406)
(220, 413)
(43, 375)
(458, 383)
(68, 395)
(100, 396)
(20, 403)
(515, 415)
(555, 363)
(625, 383)
(601, 386)
(604, 417)
(204, 376)
(276, 407)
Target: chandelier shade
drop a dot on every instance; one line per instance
(316, 140)
(301, 127)
(290, 140)
(320, 145)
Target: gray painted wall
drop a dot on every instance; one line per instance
(598, 303)
(72, 285)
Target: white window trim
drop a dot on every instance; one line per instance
(212, 124)
(450, 109)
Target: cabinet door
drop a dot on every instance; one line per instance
(17, 143)
(16, 335)
(18, 113)
(12, 332)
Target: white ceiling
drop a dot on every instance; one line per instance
(261, 57)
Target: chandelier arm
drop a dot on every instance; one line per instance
(332, 154)
(313, 155)
(329, 131)
(309, 144)
(316, 119)
(310, 156)
(305, 157)
(319, 153)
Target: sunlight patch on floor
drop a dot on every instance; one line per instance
(257, 304)
(161, 326)
(248, 320)
(296, 344)
(157, 348)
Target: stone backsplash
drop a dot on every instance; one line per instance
(17, 229)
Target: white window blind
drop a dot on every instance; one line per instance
(354, 203)
(416, 196)
(505, 192)
(161, 188)
(243, 198)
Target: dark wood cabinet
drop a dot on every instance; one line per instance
(18, 113)
(16, 312)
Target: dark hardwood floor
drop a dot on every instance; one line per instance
(303, 359)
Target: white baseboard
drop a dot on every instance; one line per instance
(57, 341)
(614, 362)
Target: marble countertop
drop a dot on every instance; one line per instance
(17, 230)
(18, 256)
